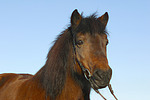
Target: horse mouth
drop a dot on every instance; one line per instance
(100, 79)
(97, 84)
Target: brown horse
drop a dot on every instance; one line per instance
(76, 63)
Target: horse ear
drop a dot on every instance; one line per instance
(75, 18)
(104, 18)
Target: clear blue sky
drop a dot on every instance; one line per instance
(28, 27)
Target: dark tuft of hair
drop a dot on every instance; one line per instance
(91, 25)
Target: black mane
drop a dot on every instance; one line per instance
(52, 75)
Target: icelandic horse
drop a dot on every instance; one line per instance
(76, 63)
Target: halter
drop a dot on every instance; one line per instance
(85, 71)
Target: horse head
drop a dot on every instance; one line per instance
(90, 48)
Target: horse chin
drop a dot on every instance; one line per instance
(95, 84)
(101, 86)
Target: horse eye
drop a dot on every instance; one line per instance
(80, 42)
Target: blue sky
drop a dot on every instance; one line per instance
(28, 28)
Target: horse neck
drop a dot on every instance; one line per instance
(76, 87)
(56, 76)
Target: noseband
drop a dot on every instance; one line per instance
(85, 71)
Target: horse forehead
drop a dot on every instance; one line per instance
(94, 39)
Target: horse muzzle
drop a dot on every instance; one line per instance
(100, 79)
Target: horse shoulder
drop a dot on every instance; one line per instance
(31, 90)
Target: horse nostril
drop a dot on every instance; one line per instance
(103, 76)
(98, 75)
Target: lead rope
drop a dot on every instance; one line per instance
(111, 91)
(100, 94)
